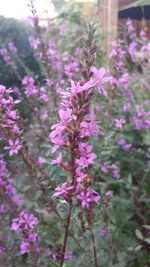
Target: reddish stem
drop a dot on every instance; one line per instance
(66, 235)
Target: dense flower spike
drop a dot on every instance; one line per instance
(72, 133)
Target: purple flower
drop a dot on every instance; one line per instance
(4, 209)
(109, 195)
(86, 157)
(34, 43)
(25, 222)
(130, 26)
(32, 237)
(80, 176)
(69, 256)
(116, 171)
(65, 116)
(58, 160)
(24, 247)
(119, 123)
(132, 49)
(57, 137)
(2, 249)
(105, 168)
(89, 127)
(64, 190)
(103, 232)
(88, 197)
(99, 79)
(13, 147)
(12, 48)
(30, 88)
(41, 161)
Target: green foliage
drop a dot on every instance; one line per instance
(18, 32)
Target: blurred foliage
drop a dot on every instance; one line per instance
(18, 32)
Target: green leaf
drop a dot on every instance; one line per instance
(147, 240)
(138, 248)
(146, 227)
(139, 234)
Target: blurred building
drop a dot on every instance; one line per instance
(108, 14)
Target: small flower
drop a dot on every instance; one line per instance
(69, 256)
(24, 247)
(25, 222)
(64, 190)
(41, 161)
(86, 157)
(99, 79)
(65, 116)
(13, 147)
(105, 168)
(80, 175)
(58, 160)
(32, 237)
(125, 146)
(108, 195)
(119, 123)
(90, 127)
(88, 197)
(116, 171)
(103, 232)
(2, 249)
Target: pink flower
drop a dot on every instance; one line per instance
(65, 116)
(88, 197)
(133, 50)
(99, 79)
(2, 249)
(58, 160)
(24, 247)
(116, 171)
(119, 123)
(12, 48)
(32, 237)
(86, 157)
(130, 26)
(77, 88)
(69, 256)
(108, 195)
(104, 232)
(13, 147)
(89, 128)
(125, 146)
(56, 136)
(41, 161)
(25, 222)
(80, 176)
(105, 168)
(64, 190)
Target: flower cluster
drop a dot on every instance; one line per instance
(111, 169)
(24, 224)
(73, 132)
(9, 116)
(10, 200)
(32, 90)
(124, 145)
(141, 119)
(7, 53)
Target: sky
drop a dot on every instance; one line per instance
(19, 9)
